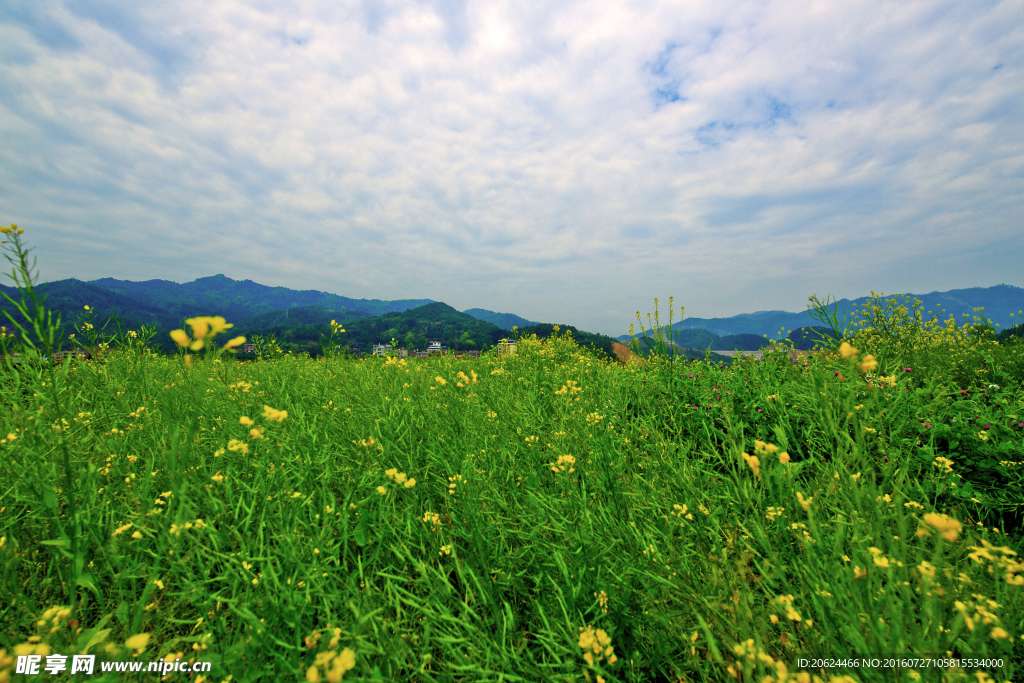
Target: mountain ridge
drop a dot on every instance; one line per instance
(998, 301)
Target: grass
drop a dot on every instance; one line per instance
(539, 516)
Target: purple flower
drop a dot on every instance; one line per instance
(987, 426)
(906, 369)
(927, 424)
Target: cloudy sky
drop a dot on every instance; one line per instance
(565, 161)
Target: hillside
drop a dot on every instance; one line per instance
(246, 304)
(242, 299)
(599, 343)
(415, 328)
(697, 340)
(998, 301)
(505, 321)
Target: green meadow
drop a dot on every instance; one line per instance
(541, 515)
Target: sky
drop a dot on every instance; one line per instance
(565, 161)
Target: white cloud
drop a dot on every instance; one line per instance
(565, 162)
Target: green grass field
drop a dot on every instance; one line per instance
(538, 516)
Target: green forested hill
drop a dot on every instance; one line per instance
(415, 328)
(586, 340)
(71, 296)
(246, 304)
(242, 299)
(296, 317)
(505, 321)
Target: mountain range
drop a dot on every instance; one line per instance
(297, 317)
(999, 302)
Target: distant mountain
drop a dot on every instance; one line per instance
(414, 329)
(245, 304)
(739, 342)
(241, 299)
(505, 321)
(999, 302)
(296, 317)
(71, 296)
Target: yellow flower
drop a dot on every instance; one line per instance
(237, 341)
(845, 350)
(868, 364)
(236, 445)
(783, 457)
(999, 633)
(381, 490)
(180, 338)
(440, 380)
(212, 326)
(247, 421)
(137, 642)
(274, 415)
(754, 462)
(563, 462)
(949, 527)
(879, 559)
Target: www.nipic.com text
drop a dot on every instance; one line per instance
(85, 664)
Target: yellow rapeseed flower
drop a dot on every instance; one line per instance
(137, 642)
(247, 421)
(237, 341)
(754, 462)
(868, 364)
(180, 338)
(273, 414)
(947, 526)
(879, 559)
(845, 350)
